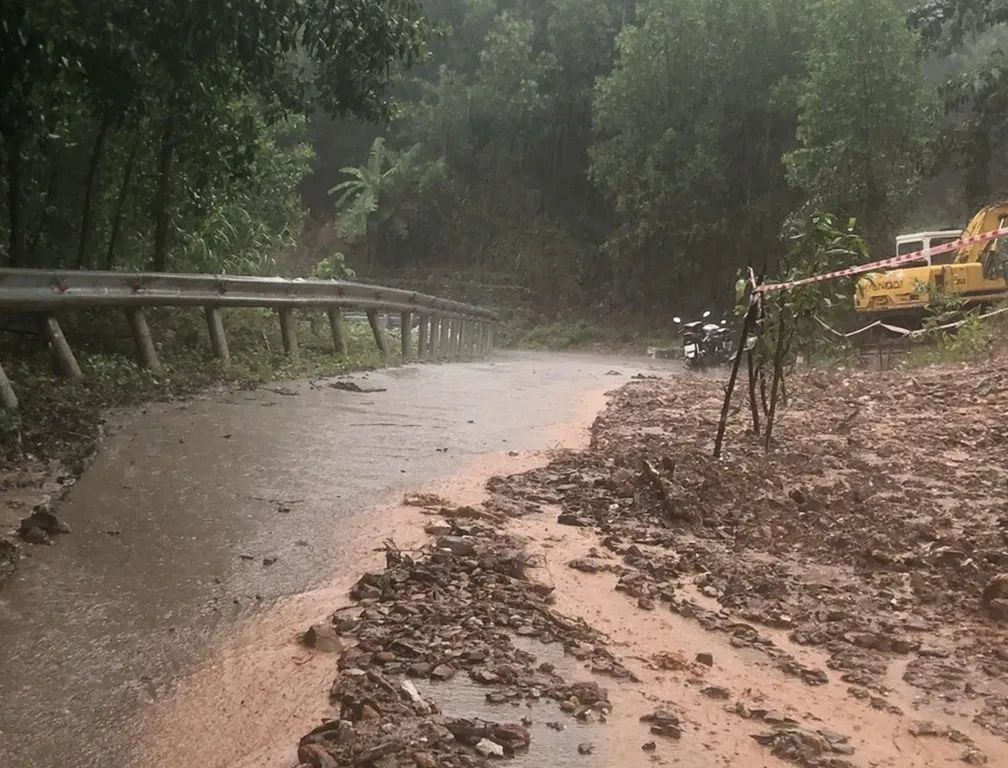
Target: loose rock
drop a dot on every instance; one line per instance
(322, 637)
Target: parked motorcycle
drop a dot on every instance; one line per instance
(704, 343)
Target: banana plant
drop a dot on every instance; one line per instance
(366, 200)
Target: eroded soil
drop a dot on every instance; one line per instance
(841, 600)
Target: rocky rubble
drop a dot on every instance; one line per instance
(451, 610)
(41, 525)
(876, 528)
(10, 553)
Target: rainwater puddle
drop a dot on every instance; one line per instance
(549, 748)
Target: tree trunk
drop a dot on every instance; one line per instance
(161, 201)
(17, 240)
(121, 204)
(976, 179)
(89, 191)
(47, 204)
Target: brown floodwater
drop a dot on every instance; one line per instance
(205, 523)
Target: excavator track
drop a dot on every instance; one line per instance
(883, 354)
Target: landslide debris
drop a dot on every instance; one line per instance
(876, 528)
(452, 610)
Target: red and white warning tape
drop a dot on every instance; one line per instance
(905, 332)
(886, 263)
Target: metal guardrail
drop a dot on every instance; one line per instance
(445, 329)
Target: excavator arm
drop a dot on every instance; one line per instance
(987, 219)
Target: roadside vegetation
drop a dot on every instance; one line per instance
(60, 418)
(972, 339)
(589, 168)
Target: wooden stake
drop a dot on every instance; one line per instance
(753, 407)
(722, 424)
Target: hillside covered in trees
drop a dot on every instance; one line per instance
(607, 155)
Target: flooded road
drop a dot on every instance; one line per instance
(199, 517)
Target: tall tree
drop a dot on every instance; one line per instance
(864, 120)
(691, 125)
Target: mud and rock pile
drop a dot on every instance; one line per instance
(450, 610)
(10, 553)
(876, 528)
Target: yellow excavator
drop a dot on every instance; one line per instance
(975, 273)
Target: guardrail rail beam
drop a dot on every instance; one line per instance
(446, 329)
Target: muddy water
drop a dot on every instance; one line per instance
(198, 518)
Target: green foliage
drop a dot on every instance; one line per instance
(333, 267)
(163, 135)
(613, 157)
(791, 318)
(369, 201)
(951, 333)
(862, 126)
(563, 335)
(690, 136)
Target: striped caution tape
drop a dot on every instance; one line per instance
(905, 332)
(886, 263)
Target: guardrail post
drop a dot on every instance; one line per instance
(481, 342)
(406, 334)
(435, 328)
(288, 331)
(466, 338)
(7, 397)
(338, 332)
(421, 337)
(218, 340)
(459, 328)
(490, 338)
(444, 335)
(378, 331)
(146, 353)
(66, 363)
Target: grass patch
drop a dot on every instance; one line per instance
(60, 419)
(973, 340)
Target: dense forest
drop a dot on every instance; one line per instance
(607, 155)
